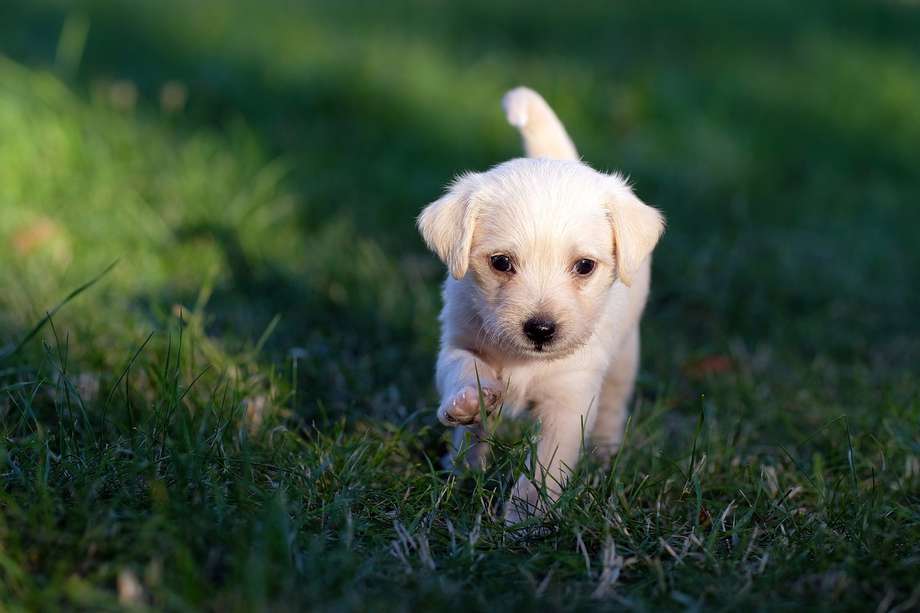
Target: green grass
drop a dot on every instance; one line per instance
(240, 414)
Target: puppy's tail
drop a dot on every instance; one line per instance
(542, 132)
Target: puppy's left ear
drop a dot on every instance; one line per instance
(636, 229)
(447, 224)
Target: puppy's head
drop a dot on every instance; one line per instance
(540, 243)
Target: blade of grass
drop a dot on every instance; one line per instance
(44, 320)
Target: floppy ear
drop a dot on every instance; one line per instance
(447, 224)
(636, 229)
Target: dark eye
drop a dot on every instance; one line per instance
(502, 263)
(584, 267)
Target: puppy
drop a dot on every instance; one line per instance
(549, 264)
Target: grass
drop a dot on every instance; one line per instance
(239, 415)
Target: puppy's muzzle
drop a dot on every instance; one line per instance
(540, 330)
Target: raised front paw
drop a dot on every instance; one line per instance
(462, 408)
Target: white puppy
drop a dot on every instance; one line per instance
(549, 273)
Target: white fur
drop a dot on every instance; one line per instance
(543, 133)
(545, 214)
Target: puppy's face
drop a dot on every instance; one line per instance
(540, 243)
(541, 263)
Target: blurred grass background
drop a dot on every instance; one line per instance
(257, 166)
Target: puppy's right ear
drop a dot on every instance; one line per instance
(447, 224)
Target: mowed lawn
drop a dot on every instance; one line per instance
(239, 414)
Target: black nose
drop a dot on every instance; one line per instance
(540, 330)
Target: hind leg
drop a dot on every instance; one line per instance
(616, 392)
(470, 449)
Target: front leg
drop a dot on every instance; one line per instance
(619, 383)
(461, 377)
(566, 419)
